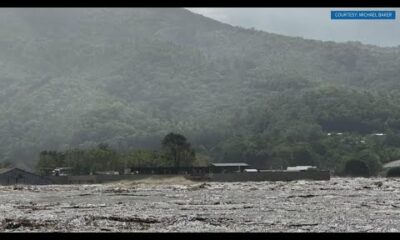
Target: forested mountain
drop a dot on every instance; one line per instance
(79, 77)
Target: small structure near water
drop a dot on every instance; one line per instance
(228, 167)
(301, 168)
(12, 176)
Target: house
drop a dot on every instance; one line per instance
(11, 176)
(301, 168)
(228, 167)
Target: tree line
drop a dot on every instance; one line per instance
(175, 151)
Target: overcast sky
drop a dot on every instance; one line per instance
(312, 23)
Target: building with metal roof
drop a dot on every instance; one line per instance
(11, 176)
(228, 167)
(301, 168)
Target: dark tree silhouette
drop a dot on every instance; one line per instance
(178, 149)
(393, 172)
(356, 168)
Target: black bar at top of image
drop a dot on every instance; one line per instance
(202, 3)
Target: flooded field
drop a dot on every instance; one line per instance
(179, 205)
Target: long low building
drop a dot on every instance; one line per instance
(12, 176)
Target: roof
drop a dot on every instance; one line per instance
(5, 170)
(251, 170)
(392, 164)
(299, 168)
(229, 164)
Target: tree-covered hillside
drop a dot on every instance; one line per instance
(126, 77)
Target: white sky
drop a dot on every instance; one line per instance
(311, 23)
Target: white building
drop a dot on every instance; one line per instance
(301, 168)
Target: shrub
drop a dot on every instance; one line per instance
(356, 168)
(393, 172)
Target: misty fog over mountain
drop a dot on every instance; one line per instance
(311, 23)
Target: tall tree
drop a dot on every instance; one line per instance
(178, 149)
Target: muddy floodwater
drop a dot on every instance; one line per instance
(178, 205)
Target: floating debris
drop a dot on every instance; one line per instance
(338, 205)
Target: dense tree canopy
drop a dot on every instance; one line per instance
(178, 150)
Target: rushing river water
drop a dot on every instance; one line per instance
(338, 205)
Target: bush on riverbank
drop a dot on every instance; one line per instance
(356, 168)
(393, 172)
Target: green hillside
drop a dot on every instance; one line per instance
(79, 77)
